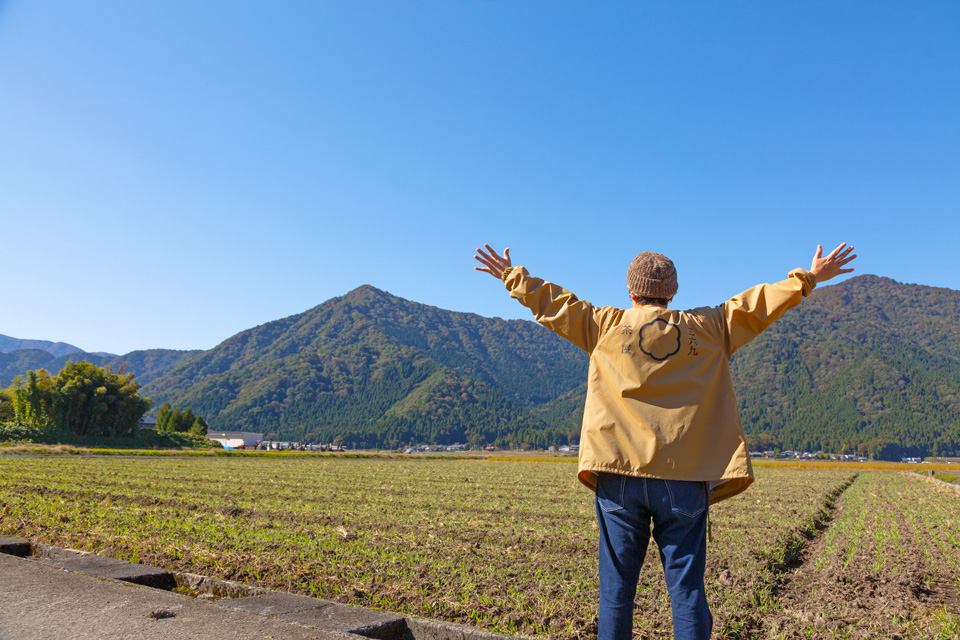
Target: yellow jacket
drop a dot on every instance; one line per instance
(660, 400)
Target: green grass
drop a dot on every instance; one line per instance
(947, 477)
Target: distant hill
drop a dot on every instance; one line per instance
(145, 365)
(375, 368)
(8, 344)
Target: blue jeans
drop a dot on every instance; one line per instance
(626, 506)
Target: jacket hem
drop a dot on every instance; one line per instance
(723, 487)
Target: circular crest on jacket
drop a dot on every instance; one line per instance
(660, 339)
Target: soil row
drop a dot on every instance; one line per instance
(882, 574)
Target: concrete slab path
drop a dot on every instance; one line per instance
(39, 601)
(51, 593)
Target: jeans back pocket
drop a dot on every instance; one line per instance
(687, 498)
(610, 491)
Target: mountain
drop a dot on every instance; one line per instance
(372, 367)
(868, 363)
(8, 344)
(145, 365)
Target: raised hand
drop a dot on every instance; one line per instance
(824, 268)
(495, 265)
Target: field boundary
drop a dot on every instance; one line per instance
(937, 481)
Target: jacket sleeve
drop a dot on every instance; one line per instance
(750, 313)
(559, 310)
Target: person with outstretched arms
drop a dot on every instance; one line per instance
(661, 438)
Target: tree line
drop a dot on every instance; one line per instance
(85, 399)
(180, 420)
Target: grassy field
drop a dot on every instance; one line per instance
(505, 545)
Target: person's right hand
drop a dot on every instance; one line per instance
(493, 263)
(824, 268)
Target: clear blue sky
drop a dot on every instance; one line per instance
(174, 172)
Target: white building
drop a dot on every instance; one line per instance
(233, 439)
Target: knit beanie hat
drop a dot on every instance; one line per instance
(652, 275)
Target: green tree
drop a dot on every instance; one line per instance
(33, 399)
(885, 450)
(83, 398)
(185, 420)
(163, 417)
(7, 413)
(180, 420)
(761, 442)
(199, 427)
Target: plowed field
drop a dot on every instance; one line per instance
(506, 546)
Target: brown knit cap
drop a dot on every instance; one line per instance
(652, 275)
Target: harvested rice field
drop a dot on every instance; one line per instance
(507, 546)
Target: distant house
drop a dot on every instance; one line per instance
(147, 423)
(234, 439)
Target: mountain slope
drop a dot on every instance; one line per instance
(868, 363)
(15, 363)
(370, 365)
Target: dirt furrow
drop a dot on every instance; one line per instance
(860, 591)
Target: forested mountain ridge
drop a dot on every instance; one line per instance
(869, 365)
(373, 367)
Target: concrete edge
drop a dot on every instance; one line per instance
(420, 629)
(351, 621)
(208, 588)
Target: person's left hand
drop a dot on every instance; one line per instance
(824, 268)
(495, 265)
